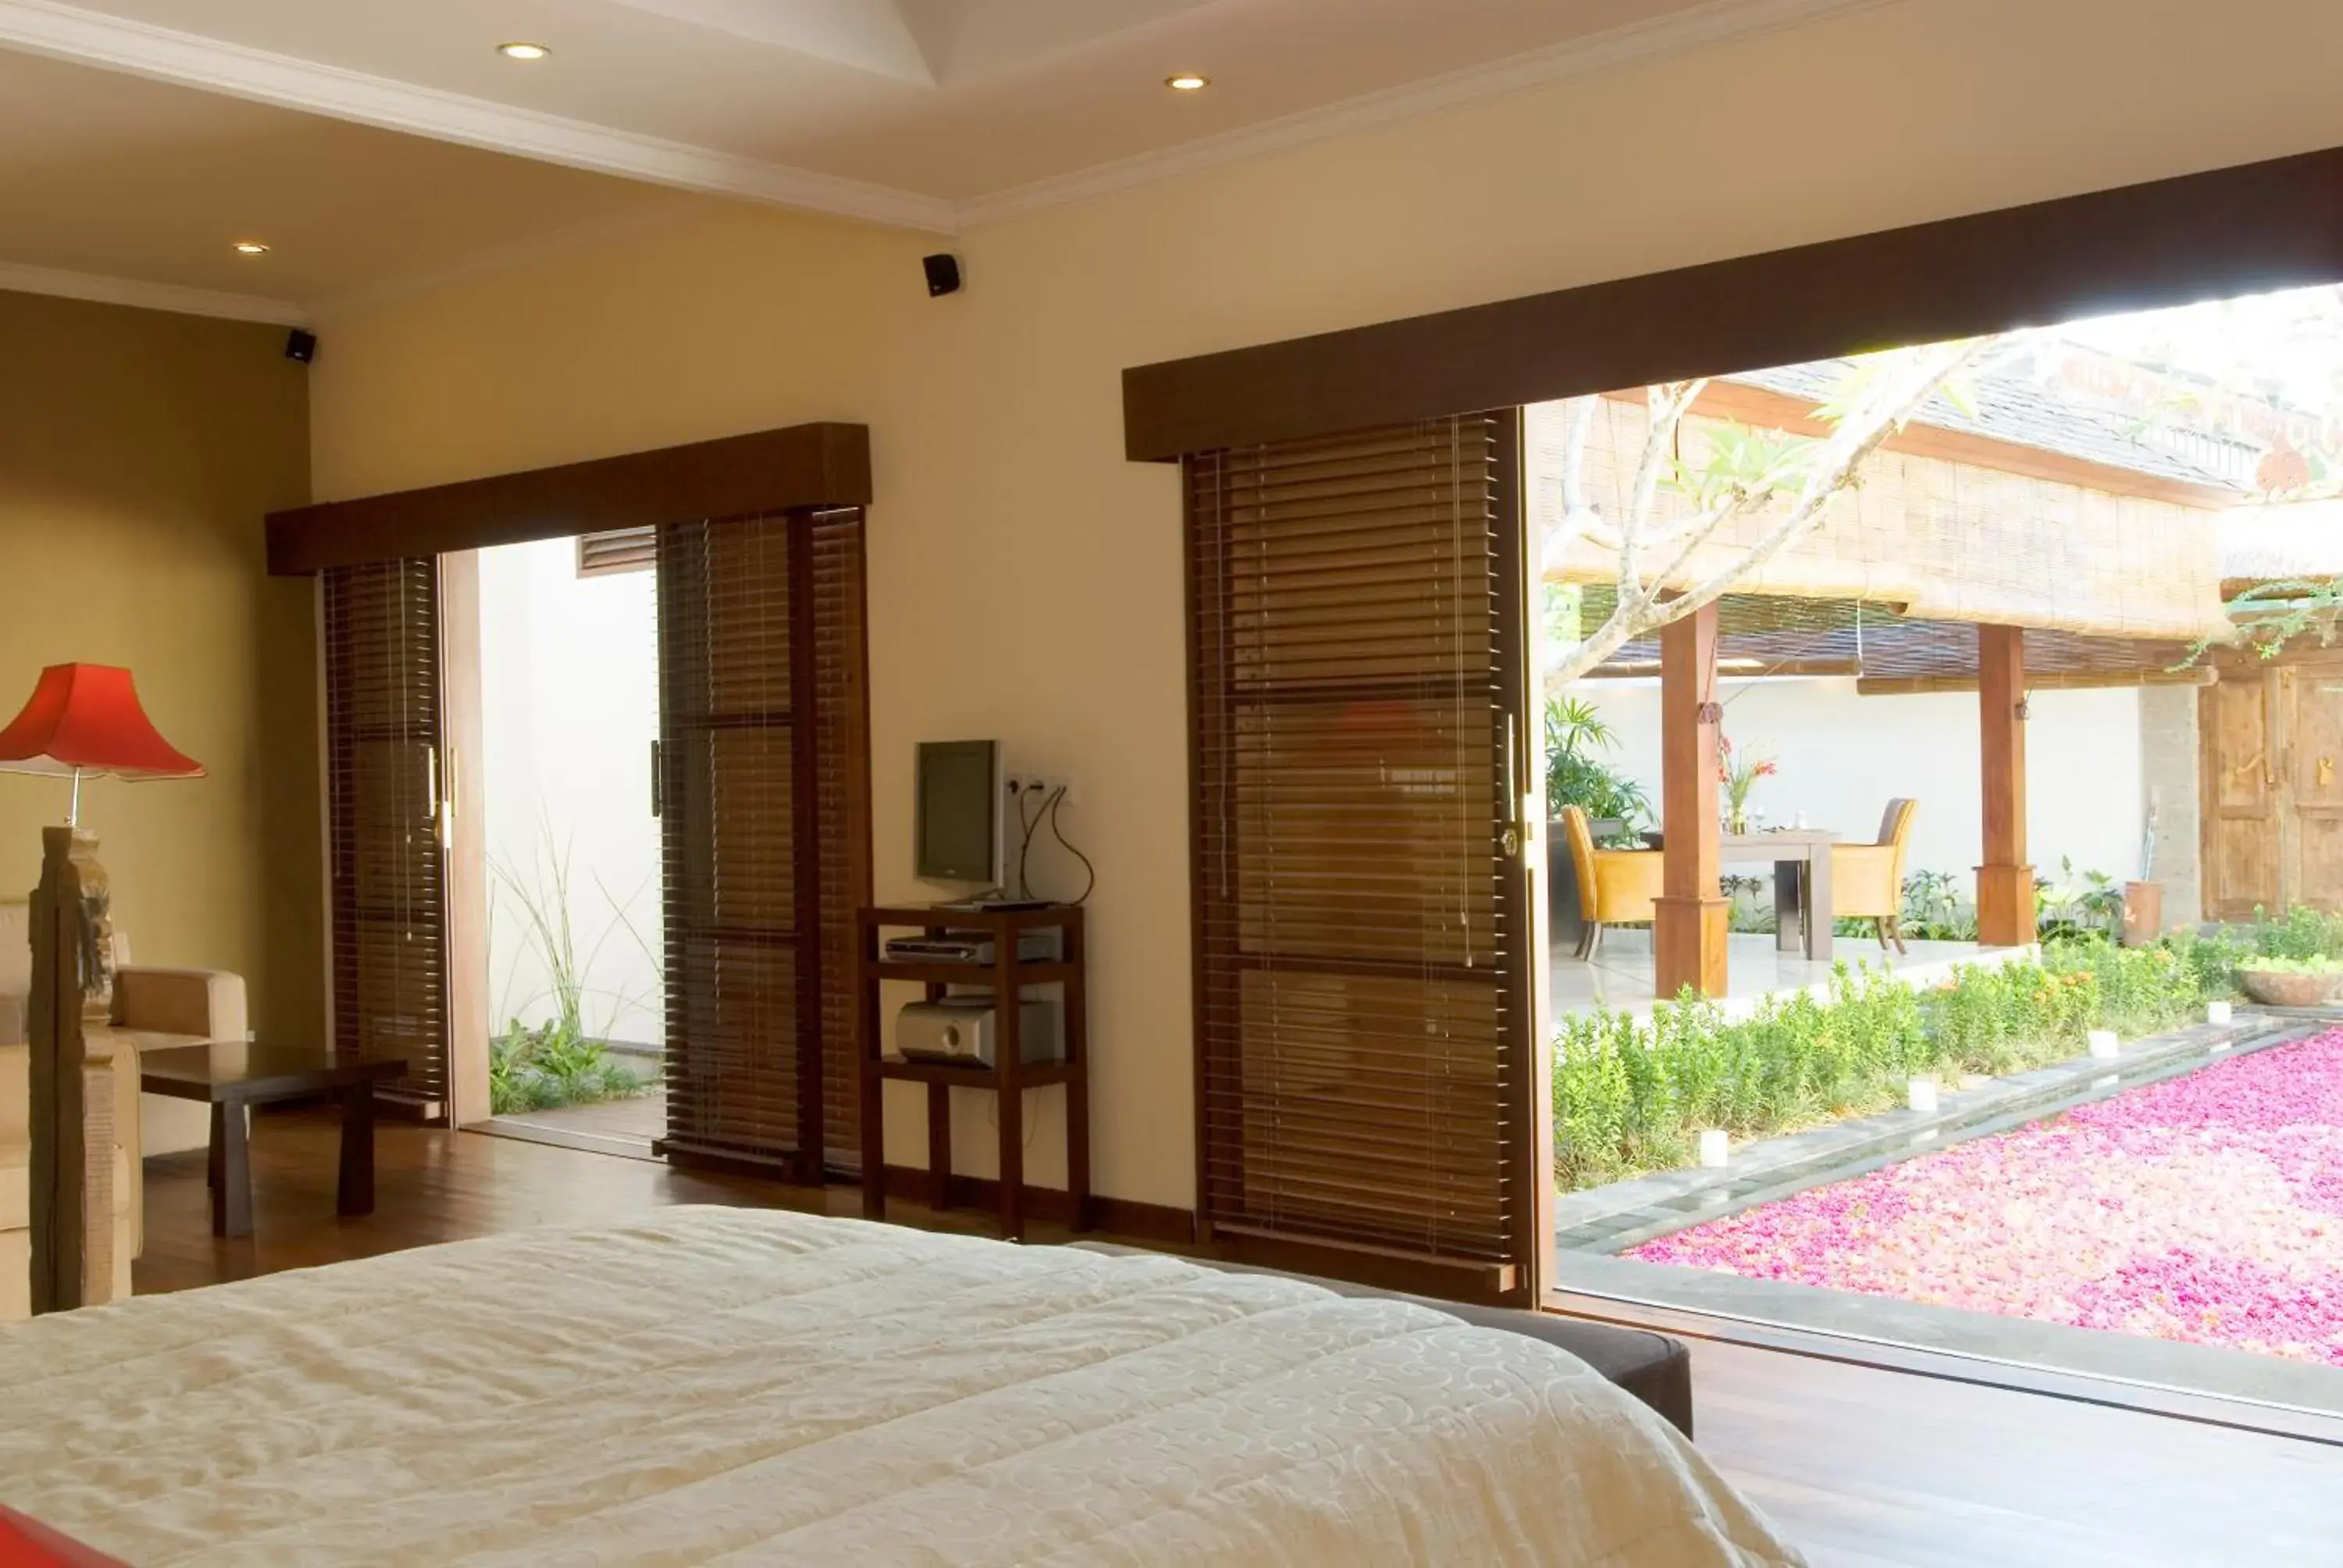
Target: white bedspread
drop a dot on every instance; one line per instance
(739, 1386)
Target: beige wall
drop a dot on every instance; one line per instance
(139, 452)
(1007, 521)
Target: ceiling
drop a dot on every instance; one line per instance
(105, 176)
(375, 142)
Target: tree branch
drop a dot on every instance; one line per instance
(1849, 446)
(1833, 468)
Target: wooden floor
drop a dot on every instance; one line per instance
(1859, 1467)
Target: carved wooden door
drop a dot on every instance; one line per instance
(2310, 841)
(2271, 769)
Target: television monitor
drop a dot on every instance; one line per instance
(957, 816)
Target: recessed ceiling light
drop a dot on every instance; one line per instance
(523, 51)
(250, 247)
(1187, 82)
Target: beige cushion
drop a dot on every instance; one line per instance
(15, 1275)
(200, 1004)
(15, 947)
(16, 1187)
(16, 1095)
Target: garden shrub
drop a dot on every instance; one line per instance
(552, 1066)
(1629, 1099)
(2304, 933)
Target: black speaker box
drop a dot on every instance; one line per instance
(943, 275)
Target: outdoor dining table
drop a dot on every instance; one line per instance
(1801, 884)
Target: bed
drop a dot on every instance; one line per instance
(743, 1386)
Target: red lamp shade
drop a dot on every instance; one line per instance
(85, 719)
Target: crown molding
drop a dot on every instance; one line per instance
(1684, 32)
(71, 33)
(103, 290)
(88, 37)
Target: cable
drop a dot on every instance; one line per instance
(1026, 824)
(1058, 833)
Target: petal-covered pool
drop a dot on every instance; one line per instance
(2207, 1208)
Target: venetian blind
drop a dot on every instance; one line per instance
(388, 864)
(618, 550)
(1362, 1005)
(764, 799)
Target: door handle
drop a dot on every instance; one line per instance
(1514, 840)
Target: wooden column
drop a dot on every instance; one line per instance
(465, 825)
(2005, 879)
(1689, 924)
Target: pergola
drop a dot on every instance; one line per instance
(1933, 572)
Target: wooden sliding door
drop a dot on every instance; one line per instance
(763, 786)
(387, 819)
(1365, 1077)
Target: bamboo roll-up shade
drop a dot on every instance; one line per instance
(1942, 540)
(738, 957)
(387, 893)
(842, 795)
(1361, 957)
(1759, 636)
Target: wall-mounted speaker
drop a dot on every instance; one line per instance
(300, 347)
(943, 274)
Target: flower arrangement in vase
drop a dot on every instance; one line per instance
(1739, 774)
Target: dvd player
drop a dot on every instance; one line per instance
(974, 949)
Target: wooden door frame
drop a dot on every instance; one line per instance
(798, 469)
(2246, 229)
(1522, 891)
(463, 721)
(801, 468)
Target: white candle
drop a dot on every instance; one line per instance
(1714, 1147)
(2106, 1042)
(2218, 1013)
(1922, 1093)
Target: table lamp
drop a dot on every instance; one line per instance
(85, 719)
(82, 719)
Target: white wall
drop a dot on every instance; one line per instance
(1843, 756)
(569, 705)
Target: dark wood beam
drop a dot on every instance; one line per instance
(1688, 925)
(2005, 879)
(2242, 230)
(800, 468)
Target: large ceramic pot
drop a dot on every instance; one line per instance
(2279, 988)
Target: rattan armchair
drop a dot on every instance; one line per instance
(1615, 887)
(1867, 879)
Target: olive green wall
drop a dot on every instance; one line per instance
(138, 453)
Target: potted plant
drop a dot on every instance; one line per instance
(1575, 776)
(1739, 775)
(2291, 983)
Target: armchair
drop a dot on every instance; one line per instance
(1615, 887)
(1867, 879)
(153, 1009)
